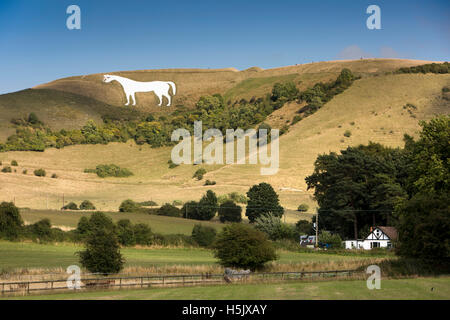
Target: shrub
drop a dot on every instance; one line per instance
(332, 240)
(303, 207)
(347, 133)
(110, 170)
(169, 210)
(172, 164)
(87, 205)
(7, 169)
(39, 172)
(177, 203)
(190, 210)
(42, 230)
(238, 197)
(241, 246)
(262, 199)
(199, 173)
(14, 163)
(230, 212)
(273, 227)
(54, 176)
(150, 203)
(70, 206)
(129, 206)
(10, 221)
(296, 119)
(25, 171)
(83, 227)
(209, 183)
(203, 235)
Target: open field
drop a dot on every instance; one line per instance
(391, 289)
(20, 255)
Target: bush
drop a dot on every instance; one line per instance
(129, 206)
(303, 207)
(110, 170)
(230, 212)
(347, 133)
(14, 163)
(262, 199)
(10, 221)
(329, 240)
(169, 210)
(25, 171)
(172, 164)
(42, 230)
(199, 173)
(241, 246)
(209, 183)
(177, 203)
(203, 235)
(54, 176)
(39, 172)
(296, 119)
(87, 205)
(70, 206)
(273, 227)
(6, 169)
(150, 203)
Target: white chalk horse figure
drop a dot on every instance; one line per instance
(130, 87)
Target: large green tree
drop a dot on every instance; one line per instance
(358, 188)
(10, 221)
(263, 200)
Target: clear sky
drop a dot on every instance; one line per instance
(37, 47)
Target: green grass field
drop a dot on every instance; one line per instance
(20, 255)
(402, 289)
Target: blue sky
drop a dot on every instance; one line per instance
(37, 47)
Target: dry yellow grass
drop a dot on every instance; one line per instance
(374, 104)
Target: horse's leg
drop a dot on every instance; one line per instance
(168, 98)
(160, 100)
(128, 98)
(133, 95)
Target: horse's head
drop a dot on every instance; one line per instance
(108, 78)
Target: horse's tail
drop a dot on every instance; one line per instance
(174, 89)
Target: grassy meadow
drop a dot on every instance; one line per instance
(27, 255)
(391, 289)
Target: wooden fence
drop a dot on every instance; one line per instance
(169, 280)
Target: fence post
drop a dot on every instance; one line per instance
(120, 283)
(142, 282)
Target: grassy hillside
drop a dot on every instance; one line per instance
(372, 109)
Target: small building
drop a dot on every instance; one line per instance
(379, 237)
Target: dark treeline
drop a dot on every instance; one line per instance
(427, 68)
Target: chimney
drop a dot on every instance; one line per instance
(371, 229)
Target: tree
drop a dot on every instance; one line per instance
(241, 246)
(42, 230)
(10, 221)
(70, 206)
(125, 232)
(207, 206)
(330, 240)
(358, 187)
(303, 207)
(102, 250)
(203, 235)
(230, 212)
(304, 227)
(169, 210)
(424, 227)
(262, 199)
